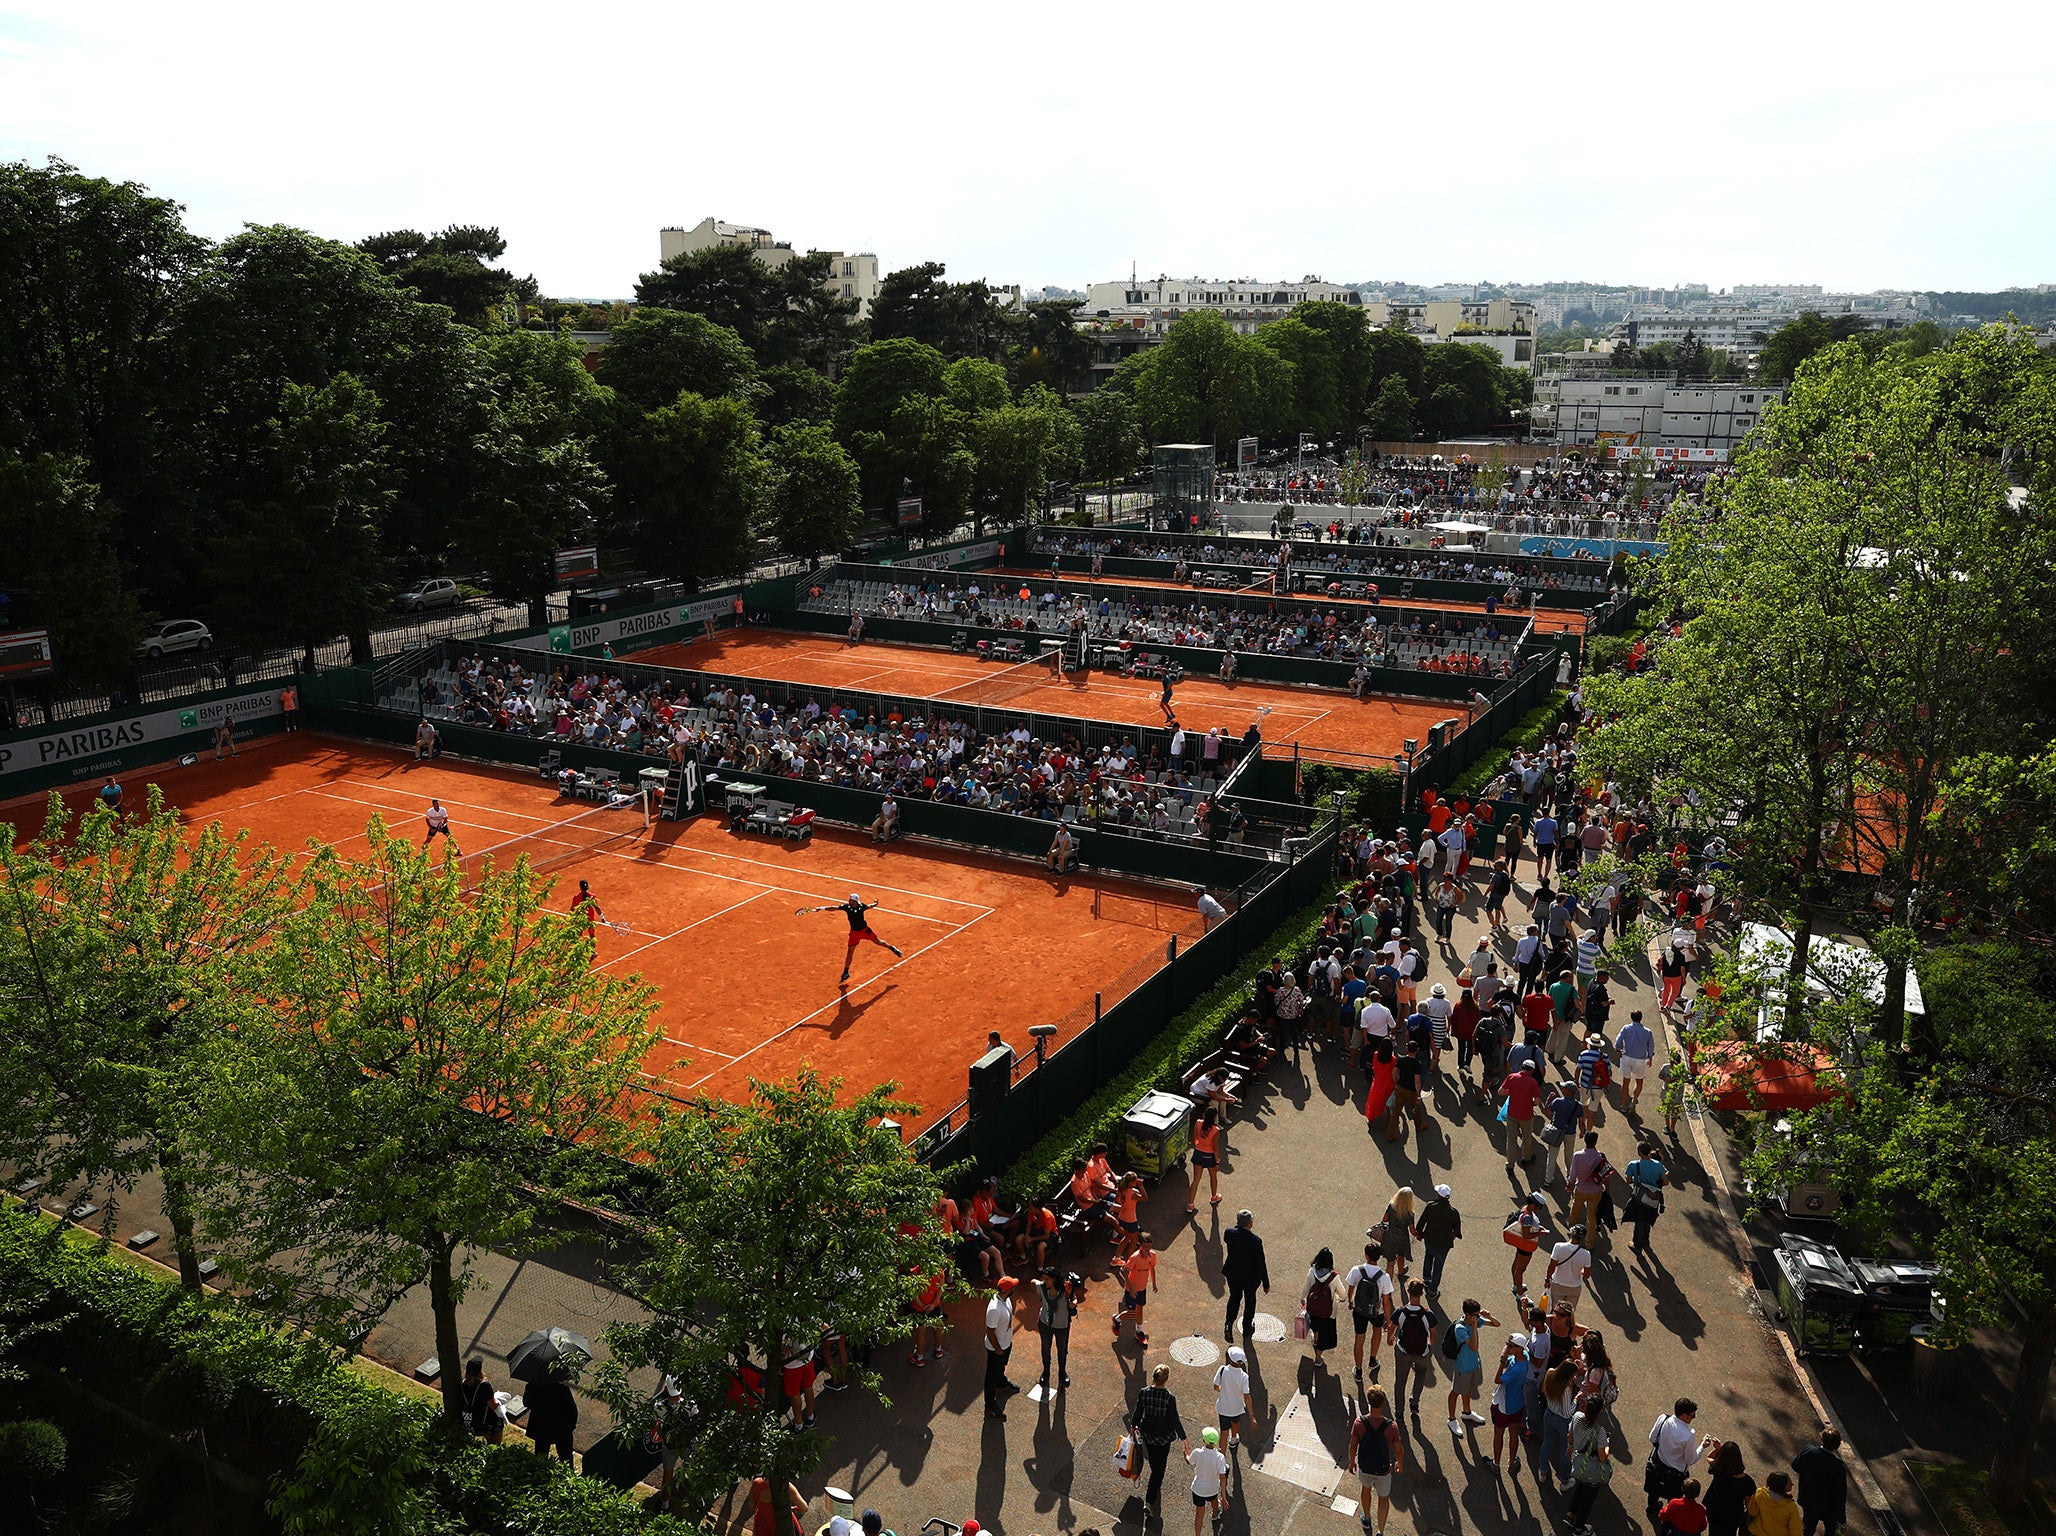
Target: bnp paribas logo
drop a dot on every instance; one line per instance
(189, 719)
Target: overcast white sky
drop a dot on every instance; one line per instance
(1879, 146)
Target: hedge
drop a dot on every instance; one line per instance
(278, 1390)
(1535, 725)
(1186, 1038)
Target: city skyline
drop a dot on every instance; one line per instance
(1062, 155)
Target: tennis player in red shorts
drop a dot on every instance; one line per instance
(860, 929)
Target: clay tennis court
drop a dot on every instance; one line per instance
(747, 988)
(1318, 720)
(1548, 621)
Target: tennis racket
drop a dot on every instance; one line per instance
(620, 927)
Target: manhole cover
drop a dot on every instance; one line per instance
(1195, 1349)
(1268, 1329)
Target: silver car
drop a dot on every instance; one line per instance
(431, 592)
(175, 635)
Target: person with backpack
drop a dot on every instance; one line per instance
(1591, 1462)
(1569, 1262)
(1413, 1349)
(1377, 1454)
(1646, 1178)
(1595, 1075)
(1460, 1349)
(482, 1413)
(1369, 1290)
(1561, 1118)
(1319, 1305)
(1439, 1227)
(1589, 1174)
(1523, 1232)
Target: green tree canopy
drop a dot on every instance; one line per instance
(1051, 351)
(1315, 405)
(451, 268)
(768, 1223)
(786, 315)
(437, 1057)
(656, 354)
(1110, 444)
(881, 378)
(814, 494)
(62, 573)
(957, 319)
(692, 488)
(1348, 334)
(1207, 384)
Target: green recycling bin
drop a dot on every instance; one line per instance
(1897, 1297)
(1820, 1294)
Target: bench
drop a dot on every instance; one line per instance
(771, 818)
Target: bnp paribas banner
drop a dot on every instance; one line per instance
(112, 744)
(645, 625)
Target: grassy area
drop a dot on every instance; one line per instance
(1957, 1492)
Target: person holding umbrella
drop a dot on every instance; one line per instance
(546, 1360)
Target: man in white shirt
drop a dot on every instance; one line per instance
(1678, 1450)
(999, 1346)
(1568, 1262)
(1369, 1289)
(1375, 1019)
(1210, 910)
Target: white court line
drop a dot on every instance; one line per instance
(665, 938)
(797, 1023)
(687, 1045)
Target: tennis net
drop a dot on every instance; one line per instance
(617, 823)
(1001, 687)
(1179, 915)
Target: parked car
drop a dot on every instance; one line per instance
(433, 592)
(175, 635)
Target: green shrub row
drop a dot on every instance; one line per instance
(285, 1391)
(1534, 726)
(1185, 1039)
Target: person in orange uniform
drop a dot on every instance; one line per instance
(1037, 1236)
(1128, 1212)
(1206, 1155)
(1138, 1274)
(289, 706)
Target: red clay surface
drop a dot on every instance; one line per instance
(1548, 621)
(747, 988)
(1320, 721)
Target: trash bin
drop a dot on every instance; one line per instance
(1933, 1363)
(1896, 1297)
(1820, 1294)
(1156, 1133)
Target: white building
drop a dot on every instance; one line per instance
(1644, 411)
(1245, 302)
(851, 275)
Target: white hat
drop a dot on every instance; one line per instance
(1235, 1355)
(1442, 1190)
(1437, 991)
(855, 897)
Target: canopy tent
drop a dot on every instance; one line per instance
(1799, 1077)
(1460, 527)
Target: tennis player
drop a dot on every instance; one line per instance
(1164, 698)
(438, 821)
(589, 904)
(860, 928)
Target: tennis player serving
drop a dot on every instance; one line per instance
(860, 928)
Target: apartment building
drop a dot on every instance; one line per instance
(1645, 410)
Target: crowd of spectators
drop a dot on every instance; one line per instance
(1389, 563)
(902, 753)
(1476, 644)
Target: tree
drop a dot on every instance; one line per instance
(769, 1222)
(1961, 1155)
(1051, 351)
(1109, 444)
(126, 944)
(433, 1034)
(957, 319)
(92, 274)
(1348, 333)
(1021, 449)
(789, 394)
(537, 486)
(1397, 352)
(1463, 389)
(881, 378)
(450, 268)
(657, 354)
(1693, 362)
(1205, 383)
(813, 498)
(1315, 405)
(278, 307)
(1797, 340)
(61, 571)
(303, 559)
(788, 315)
(1391, 416)
(693, 488)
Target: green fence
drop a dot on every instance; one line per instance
(1046, 1095)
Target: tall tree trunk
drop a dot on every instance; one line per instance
(360, 646)
(539, 610)
(443, 1304)
(178, 1213)
(1892, 1011)
(2007, 1485)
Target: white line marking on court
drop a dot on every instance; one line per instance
(704, 1050)
(674, 933)
(873, 981)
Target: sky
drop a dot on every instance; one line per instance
(1058, 144)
